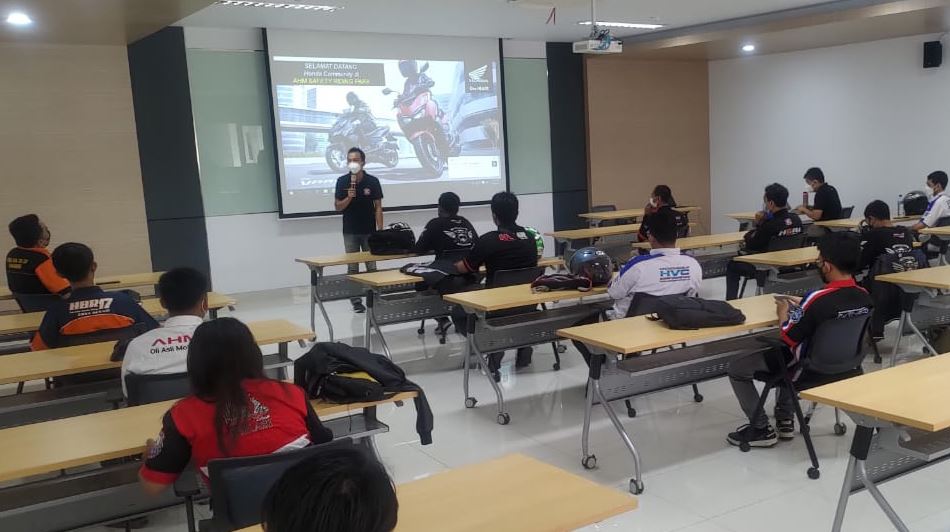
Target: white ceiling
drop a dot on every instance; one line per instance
(516, 19)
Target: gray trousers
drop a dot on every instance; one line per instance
(353, 244)
(740, 375)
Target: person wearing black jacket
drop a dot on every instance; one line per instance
(881, 234)
(774, 221)
(448, 235)
(662, 201)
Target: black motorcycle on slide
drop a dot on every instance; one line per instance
(380, 144)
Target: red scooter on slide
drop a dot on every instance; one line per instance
(423, 122)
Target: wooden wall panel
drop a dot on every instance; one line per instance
(648, 124)
(69, 151)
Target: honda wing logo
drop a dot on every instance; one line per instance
(479, 78)
(478, 74)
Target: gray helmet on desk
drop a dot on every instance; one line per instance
(593, 264)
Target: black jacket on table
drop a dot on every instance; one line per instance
(781, 223)
(385, 371)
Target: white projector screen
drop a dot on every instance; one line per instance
(426, 110)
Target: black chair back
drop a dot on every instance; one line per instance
(782, 243)
(836, 346)
(144, 389)
(239, 485)
(846, 212)
(35, 302)
(513, 277)
(606, 208)
(104, 335)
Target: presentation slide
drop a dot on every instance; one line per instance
(426, 111)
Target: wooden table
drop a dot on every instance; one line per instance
(640, 334)
(912, 395)
(532, 497)
(851, 224)
(524, 330)
(932, 284)
(386, 278)
(77, 441)
(936, 231)
(39, 365)
(594, 232)
(702, 241)
(782, 259)
(110, 282)
(30, 321)
(625, 214)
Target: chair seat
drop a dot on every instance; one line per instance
(812, 380)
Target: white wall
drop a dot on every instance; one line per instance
(256, 251)
(868, 114)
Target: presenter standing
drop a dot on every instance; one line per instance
(359, 197)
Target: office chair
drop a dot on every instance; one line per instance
(523, 276)
(641, 305)
(834, 354)
(846, 212)
(780, 243)
(145, 389)
(936, 247)
(239, 485)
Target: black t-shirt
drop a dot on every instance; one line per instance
(828, 202)
(505, 249)
(359, 218)
(679, 218)
(447, 236)
(878, 240)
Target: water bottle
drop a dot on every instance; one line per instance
(900, 205)
(805, 198)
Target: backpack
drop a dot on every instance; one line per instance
(898, 258)
(396, 239)
(683, 312)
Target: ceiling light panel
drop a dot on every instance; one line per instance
(279, 5)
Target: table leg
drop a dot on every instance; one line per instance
(371, 315)
(593, 391)
(283, 355)
(900, 334)
(368, 325)
(913, 327)
(470, 401)
(315, 275)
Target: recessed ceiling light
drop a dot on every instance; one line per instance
(18, 18)
(748, 48)
(628, 25)
(279, 5)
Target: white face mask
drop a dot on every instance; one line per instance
(652, 202)
(354, 167)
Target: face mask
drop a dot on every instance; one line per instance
(354, 167)
(652, 202)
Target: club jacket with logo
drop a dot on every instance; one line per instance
(663, 272)
(86, 316)
(161, 351)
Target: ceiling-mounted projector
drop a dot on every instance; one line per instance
(603, 44)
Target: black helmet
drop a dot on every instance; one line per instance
(408, 67)
(352, 98)
(915, 203)
(593, 264)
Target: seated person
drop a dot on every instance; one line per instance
(30, 273)
(774, 221)
(939, 206)
(661, 200)
(340, 490)
(511, 247)
(184, 293)
(827, 205)
(234, 409)
(837, 260)
(881, 234)
(89, 314)
(449, 235)
(648, 274)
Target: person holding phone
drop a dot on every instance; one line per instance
(359, 196)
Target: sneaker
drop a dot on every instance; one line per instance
(785, 429)
(755, 437)
(524, 357)
(359, 307)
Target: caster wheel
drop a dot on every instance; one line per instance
(636, 488)
(840, 429)
(589, 462)
(503, 419)
(631, 412)
(470, 402)
(557, 367)
(561, 349)
(745, 447)
(442, 340)
(698, 398)
(420, 331)
(813, 473)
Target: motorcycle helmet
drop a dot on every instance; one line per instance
(538, 240)
(915, 203)
(352, 98)
(593, 264)
(408, 67)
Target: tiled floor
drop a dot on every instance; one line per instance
(695, 482)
